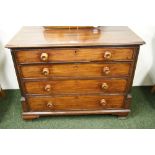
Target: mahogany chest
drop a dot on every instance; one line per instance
(75, 71)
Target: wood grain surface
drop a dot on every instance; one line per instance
(74, 54)
(75, 70)
(74, 103)
(66, 71)
(76, 86)
(36, 36)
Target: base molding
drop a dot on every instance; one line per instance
(33, 115)
(29, 117)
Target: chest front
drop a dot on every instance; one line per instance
(82, 73)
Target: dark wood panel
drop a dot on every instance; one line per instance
(76, 86)
(75, 103)
(75, 70)
(74, 55)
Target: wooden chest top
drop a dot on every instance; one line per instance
(33, 37)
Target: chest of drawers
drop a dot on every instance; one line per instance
(75, 71)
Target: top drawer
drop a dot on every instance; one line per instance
(73, 55)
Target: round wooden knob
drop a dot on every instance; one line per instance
(48, 87)
(44, 56)
(45, 71)
(105, 86)
(103, 102)
(50, 105)
(106, 70)
(107, 55)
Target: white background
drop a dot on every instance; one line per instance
(138, 14)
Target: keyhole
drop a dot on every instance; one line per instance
(76, 51)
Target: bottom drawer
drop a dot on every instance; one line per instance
(92, 102)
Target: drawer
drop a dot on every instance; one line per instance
(76, 86)
(75, 103)
(74, 55)
(75, 70)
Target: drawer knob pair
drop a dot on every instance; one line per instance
(44, 56)
(103, 102)
(48, 88)
(45, 71)
(105, 86)
(50, 105)
(107, 55)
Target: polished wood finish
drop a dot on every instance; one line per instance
(74, 55)
(75, 103)
(34, 114)
(76, 86)
(34, 37)
(75, 71)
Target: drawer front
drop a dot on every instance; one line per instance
(75, 103)
(71, 55)
(75, 70)
(76, 86)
